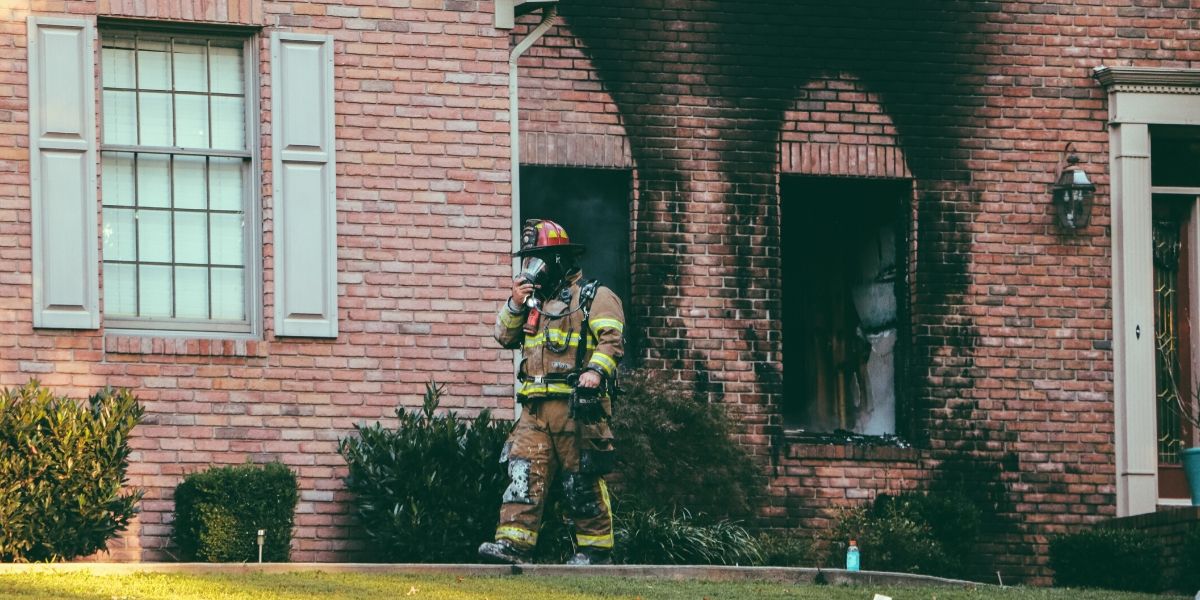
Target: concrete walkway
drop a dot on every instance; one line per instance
(676, 572)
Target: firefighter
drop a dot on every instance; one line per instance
(569, 332)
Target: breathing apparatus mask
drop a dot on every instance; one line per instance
(545, 272)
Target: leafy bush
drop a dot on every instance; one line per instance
(784, 549)
(1118, 559)
(955, 520)
(889, 540)
(932, 534)
(679, 479)
(218, 513)
(428, 491)
(1189, 563)
(653, 538)
(62, 465)
(675, 453)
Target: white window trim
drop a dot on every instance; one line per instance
(252, 329)
(1139, 97)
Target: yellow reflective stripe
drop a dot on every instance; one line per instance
(603, 361)
(598, 324)
(599, 365)
(516, 534)
(594, 541)
(607, 503)
(538, 340)
(600, 541)
(530, 388)
(510, 320)
(557, 336)
(604, 358)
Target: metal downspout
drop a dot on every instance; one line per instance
(514, 132)
(514, 142)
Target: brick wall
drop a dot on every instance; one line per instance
(1009, 381)
(1009, 378)
(423, 226)
(835, 127)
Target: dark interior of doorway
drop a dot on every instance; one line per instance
(593, 205)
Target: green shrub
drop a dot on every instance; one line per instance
(932, 534)
(1118, 559)
(1189, 561)
(62, 465)
(652, 538)
(679, 479)
(219, 511)
(784, 549)
(675, 453)
(955, 520)
(428, 491)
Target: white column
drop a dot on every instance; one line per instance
(1133, 321)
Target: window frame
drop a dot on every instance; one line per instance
(252, 236)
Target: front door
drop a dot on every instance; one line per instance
(1172, 334)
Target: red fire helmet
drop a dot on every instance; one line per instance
(540, 235)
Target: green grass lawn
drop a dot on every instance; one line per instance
(326, 586)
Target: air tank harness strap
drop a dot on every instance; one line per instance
(587, 293)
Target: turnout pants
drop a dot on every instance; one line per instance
(547, 447)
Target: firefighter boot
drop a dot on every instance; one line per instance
(503, 551)
(591, 556)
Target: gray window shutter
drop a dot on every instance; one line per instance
(302, 162)
(62, 173)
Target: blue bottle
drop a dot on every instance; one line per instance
(852, 558)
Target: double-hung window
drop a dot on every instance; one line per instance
(177, 164)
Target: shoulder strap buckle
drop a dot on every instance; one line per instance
(588, 291)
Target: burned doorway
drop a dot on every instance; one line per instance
(593, 206)
(844, 286)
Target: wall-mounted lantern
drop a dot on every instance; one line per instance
(1073, 195)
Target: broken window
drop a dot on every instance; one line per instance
(846, 249)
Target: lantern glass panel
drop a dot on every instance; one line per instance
(1073, 195)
